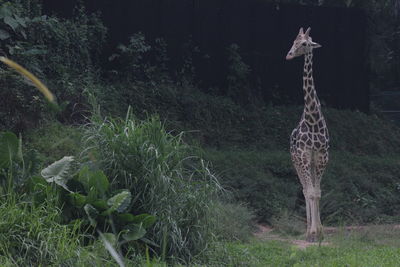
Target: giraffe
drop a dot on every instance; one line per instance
(309, 141)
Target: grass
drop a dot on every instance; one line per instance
(166, 179)
(32, 235)
(54, 140)
(375, 246)
(355, 188)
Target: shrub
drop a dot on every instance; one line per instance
(355, 189)
(287, 223)
(32, 235)
(360, 188)
(54, 140)
(163, 177)
(232, 221)
(265, 181)
(61, 51)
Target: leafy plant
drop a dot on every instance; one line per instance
(58, 171)
(99, 204)
(237, 76)
(133, 57)
(15, 169)
(59, 50)
(163, 178)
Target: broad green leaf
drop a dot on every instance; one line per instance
(93, 179)
(5, 11)
(58, 172)
(77, 199)
(120, 202)
(8, 148)
(110, 237)
(36, 183)
(99, 181)
(125, 217)
(99, 204)
(146, 220)
(134, 232)
(83, 177)
(21, 21)
(92, 214)
(92, 195)
(10, 21)
(4, 35)
(107, 212)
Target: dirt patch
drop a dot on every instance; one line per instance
(265, 232)
(262, 229)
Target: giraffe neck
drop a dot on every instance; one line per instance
(311, 101)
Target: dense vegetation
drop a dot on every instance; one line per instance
(138, 162)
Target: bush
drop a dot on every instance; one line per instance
(233, 221)
(32, 235)
(164, 178)
(360, 189)
(264, 180)
(54, 140)
(287, 223)
(56, 50)
(355, 189)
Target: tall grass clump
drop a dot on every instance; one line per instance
(32, 235)
(164, 178)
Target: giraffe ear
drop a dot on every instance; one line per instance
(315, 45)
(301, 31)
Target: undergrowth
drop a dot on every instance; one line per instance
(364, 191)
(166, 179)
(33, 235)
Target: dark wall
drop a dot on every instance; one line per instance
(264, 33)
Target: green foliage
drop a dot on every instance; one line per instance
(289, 224)
(232, 221)
(347, 252)
(132, 57)
(218, 121)
(9, 146)
(163, 177)
(237, 76)
(32, 235)
(14, 168)
(56, 50)
(140, 61)
(98, 209)
(264, 180)
(58, 171)
(367, 190)
(54, 140)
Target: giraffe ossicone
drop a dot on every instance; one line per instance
(309, 141)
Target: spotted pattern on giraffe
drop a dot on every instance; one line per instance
(309, 141)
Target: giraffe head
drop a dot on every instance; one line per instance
(303, 44)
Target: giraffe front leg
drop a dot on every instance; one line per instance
(314, 230)
(308, 211)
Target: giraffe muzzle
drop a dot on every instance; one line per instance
(289, 56)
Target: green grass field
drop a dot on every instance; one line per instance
(373, 246)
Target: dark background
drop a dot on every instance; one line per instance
(264, 33)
